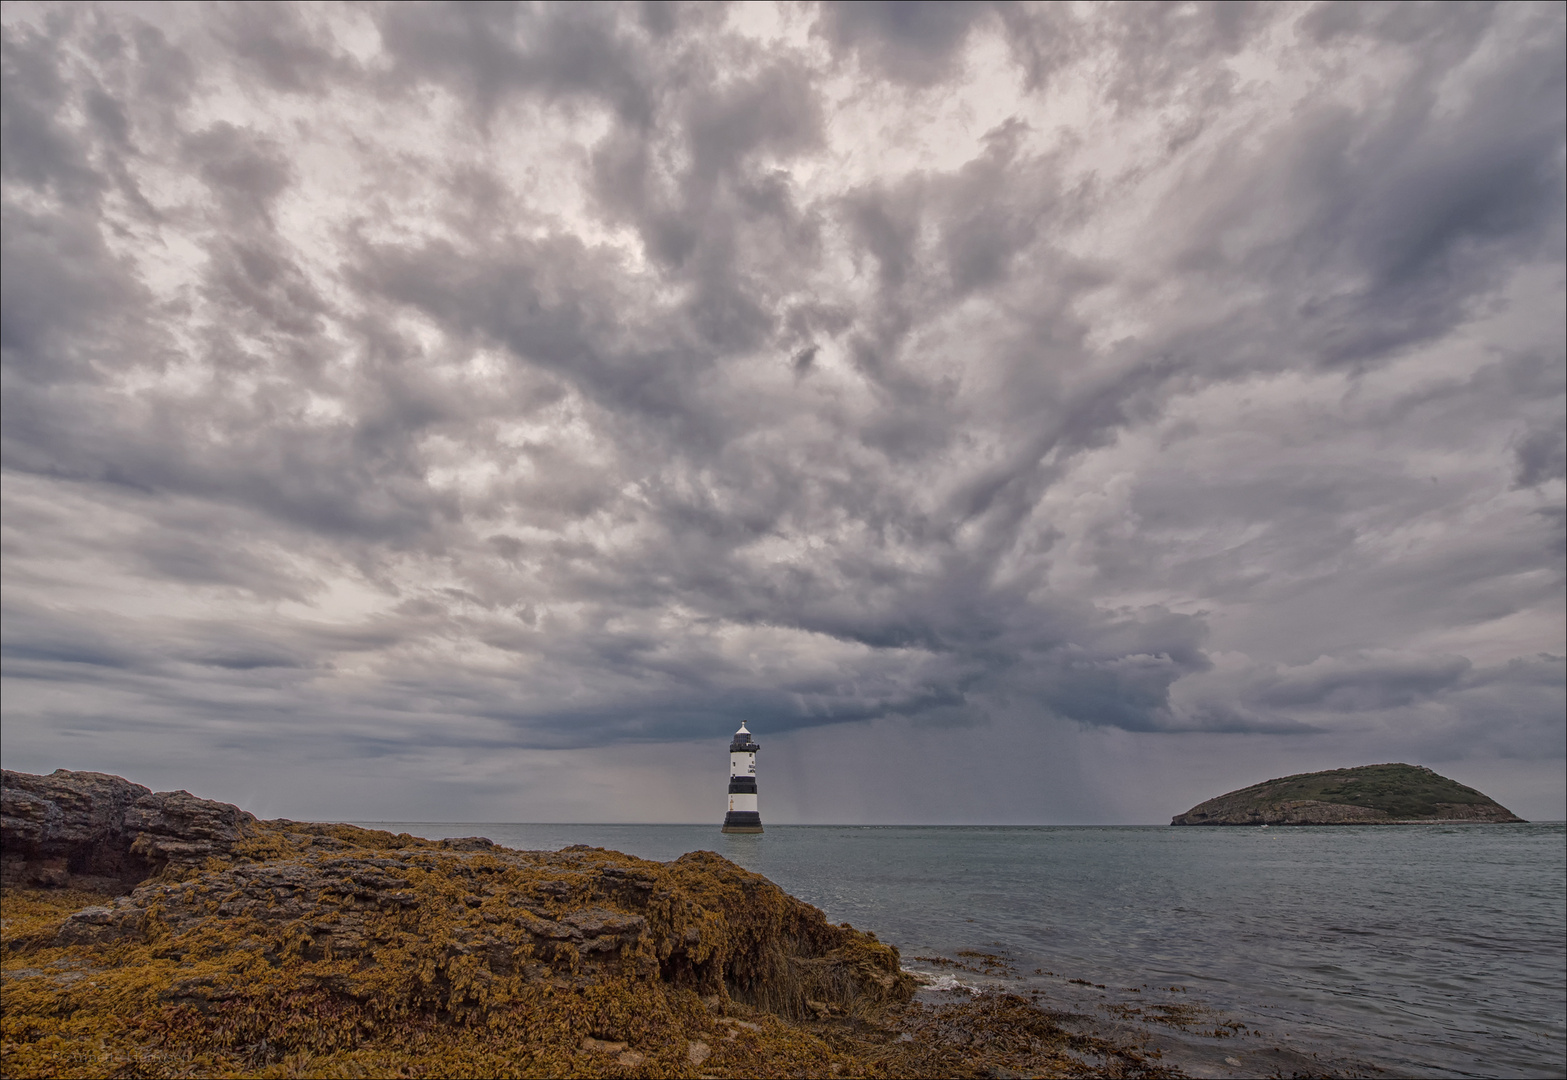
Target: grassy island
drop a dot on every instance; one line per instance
(1367, 795)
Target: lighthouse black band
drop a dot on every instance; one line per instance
(743, 817)
(742, 785)
(738, 747)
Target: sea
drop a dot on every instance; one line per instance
(1404, 950)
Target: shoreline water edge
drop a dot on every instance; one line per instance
(1410, 950)
(156, 934)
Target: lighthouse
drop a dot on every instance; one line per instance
(743, 816)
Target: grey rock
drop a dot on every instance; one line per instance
(67, 826)
(99, 926)
(467, 843)
(104, 832)
(176, 827)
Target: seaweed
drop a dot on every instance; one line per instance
(327, 950)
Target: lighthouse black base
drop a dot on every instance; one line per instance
(743, 821)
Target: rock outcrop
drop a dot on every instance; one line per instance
(93, 830)
(699, 923)
(285, 948)
(1394, 794)
(279, 934)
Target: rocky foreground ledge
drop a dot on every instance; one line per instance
(158, 934)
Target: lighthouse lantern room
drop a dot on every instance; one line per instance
(743, 816)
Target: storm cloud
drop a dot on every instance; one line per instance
(404, 398)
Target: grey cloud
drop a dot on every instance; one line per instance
(65, 296)
(205, 549)
(551, 305)
(980, 218)
(280, 48)
(911, 41)
(1362, 683)
(487, 51)
(1173, 50)
(725, 223)
(1512, 710)
(243, 171)
(338, 481)
(1230, 718)
(1539, 670)
(1418, 209)
(40, 639)
(1446, 707)
(744, 426)
(264, 289)
(1542, 456)
(249, 661)
(38, 148)
(36, 638)
(155, 72)
(1402, 23)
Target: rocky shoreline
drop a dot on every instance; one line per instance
(158, 934)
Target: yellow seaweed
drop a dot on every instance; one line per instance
(328, 950)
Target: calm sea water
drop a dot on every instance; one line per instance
(1421, 950)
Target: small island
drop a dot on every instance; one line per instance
(1395, 794)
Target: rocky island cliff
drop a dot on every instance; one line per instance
(1392, 794)
(158, 934)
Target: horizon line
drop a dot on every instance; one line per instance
(916, 825)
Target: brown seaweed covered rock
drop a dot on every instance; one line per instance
(446, 922)
(284, 948)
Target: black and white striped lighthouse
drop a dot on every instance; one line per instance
(743, 816)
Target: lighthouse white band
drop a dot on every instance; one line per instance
(742, 801)
(742, 764)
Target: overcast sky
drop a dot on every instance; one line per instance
(1014, 414)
